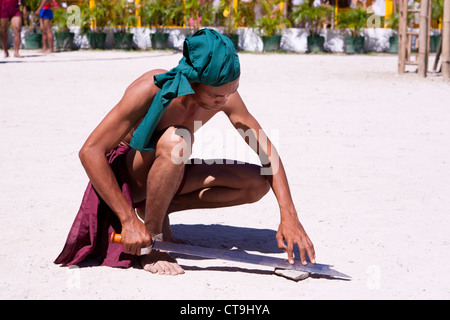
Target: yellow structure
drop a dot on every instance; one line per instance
(138, 13)
(91, 6)
(389, 10)
(235, 6)
(336, 6)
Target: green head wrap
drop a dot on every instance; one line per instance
(209, 58)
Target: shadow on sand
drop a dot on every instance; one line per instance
(227, 237)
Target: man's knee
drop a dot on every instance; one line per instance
(175, 144)
(16, 23)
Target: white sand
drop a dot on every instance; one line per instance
(367, 154)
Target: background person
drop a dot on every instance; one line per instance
(45, 14)
(10, 11)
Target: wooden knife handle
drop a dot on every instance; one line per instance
(116, 238)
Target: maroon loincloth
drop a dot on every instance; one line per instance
(88, 239)
(9, 9)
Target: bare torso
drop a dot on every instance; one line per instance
(178, 113)
(183, 112)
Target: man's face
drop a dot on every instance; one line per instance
(211, 98)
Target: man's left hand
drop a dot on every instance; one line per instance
(291, 232)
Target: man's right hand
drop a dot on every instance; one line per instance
(135, 236)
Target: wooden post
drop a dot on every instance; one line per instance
(446, 41)
(423, 38)
(402, 36)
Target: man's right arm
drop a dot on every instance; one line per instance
(111, 130)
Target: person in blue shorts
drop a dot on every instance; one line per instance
(45, 17)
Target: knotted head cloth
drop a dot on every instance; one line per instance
(208, 58)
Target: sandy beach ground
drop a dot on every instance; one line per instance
(366, 151)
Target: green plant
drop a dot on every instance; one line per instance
(437, 10)
(312, 17)
(159, 13)
(227, 16)
(60, 17)
(246, 14)
(101, 15)
(353, 19)
(272, 22)
(392, 22)
(85, 18)
(123, 15)
(31, 22)
(176, 15)
(198, 14)
(32, 5)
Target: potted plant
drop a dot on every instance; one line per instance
(197, 14)
(437, 13)
(157, 14)
(229, 20)
(271, 24)
(312, 18)
(246, 14)
(101, 18)
(33, 39)
(355, 20)
(123, 17)
(64, 38)
(85, 18)
(392, 22)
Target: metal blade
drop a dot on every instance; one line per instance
(240, 256)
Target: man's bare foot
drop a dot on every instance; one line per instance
(161, 263)
(46, 51)
(16, 55)
(6, 54)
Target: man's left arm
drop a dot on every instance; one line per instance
(290, 230)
